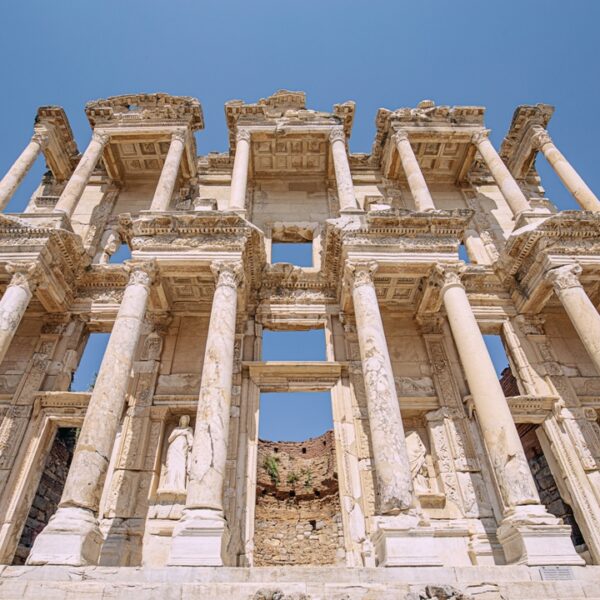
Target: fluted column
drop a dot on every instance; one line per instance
(493, 413)
(76, 185)
(568, 175)
(390, 457)
(510, 189)
(72, 535)
(11, 181)
(581, 311)
(239, 175)
(168, 175)
(412, 170)
(15, 300)
(343, 176)
(198, 535)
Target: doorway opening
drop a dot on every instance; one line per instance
(49, 490)
(298, 517)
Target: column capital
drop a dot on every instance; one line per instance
(565, 277)
(337, 134)
(540, 137)
(227, 273)
(41, 136)
(401, 135)
(480, 136)
(101, 137)
(242, 135)
(361, 272)
(141, 272)
(27, 275)
(447, 276)
(179, 135)
(158, 321)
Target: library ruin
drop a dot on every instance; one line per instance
(437, 480)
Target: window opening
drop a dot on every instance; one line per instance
(49, 490)
(122, 254)
(294, 345)
(463, 254)
(298, 515)
(84, 377)
(497, 353)
(295, 253)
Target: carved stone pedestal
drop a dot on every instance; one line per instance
(198, 539)
(72, 537)
(530, 536)
(400, 541)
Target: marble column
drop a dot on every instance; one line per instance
(581, 311)
(168, 175)
(11, 181)
(343, 176)
(72, 536)
(414, 175)
(510, 189)
(197, 537)
(15, 300)
(76, 185)
(239, 175)
(390, 457)
(568, 175)
(528, 533)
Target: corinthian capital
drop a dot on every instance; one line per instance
(242, 135)
(445, 276)
(141, 272)
(540, 137)
(41, 136)
(227, 273)
(179, 135)
(565, 277)
(337, 135)
(480, 136)
(27, 275)
(400, 136)
(101, 137)
(361, 272)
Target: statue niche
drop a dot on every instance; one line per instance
(174, 475)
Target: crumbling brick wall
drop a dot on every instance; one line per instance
(298, 517)
(49, 491)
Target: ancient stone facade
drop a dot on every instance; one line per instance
(434, 474)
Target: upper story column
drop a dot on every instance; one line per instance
(239, 175)
(170, 170)
(414, 176)
(343, 176)
(197, 538)
(76, 185)
(390, 457)
(568, 175)
(581, 311)
(72, 535)
(510, 189)
(15, 300)
(11, 181)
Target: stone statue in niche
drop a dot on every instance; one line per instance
(177, 463)
(417, 456)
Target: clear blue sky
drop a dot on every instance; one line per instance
(379, 54)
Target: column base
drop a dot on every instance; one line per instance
(72, 537)
(198, 539)
(530, 536)
(400, 541)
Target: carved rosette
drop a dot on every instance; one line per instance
(480, 136)
(361, 273)
(242, 135)
(27, 275)
(337, 135)
(141, 273)
(540, 138)
(564, 278)
(228, 274)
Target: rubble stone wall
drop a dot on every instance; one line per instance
(298, 517)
